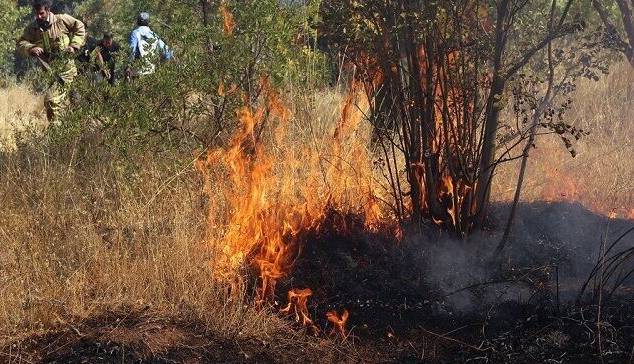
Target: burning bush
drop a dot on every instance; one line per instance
(437, 77)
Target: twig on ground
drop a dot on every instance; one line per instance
(448, 338)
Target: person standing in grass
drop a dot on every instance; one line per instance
(105, 56)
(53, 40)
(146, 48)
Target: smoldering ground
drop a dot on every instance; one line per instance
(553, 249)
(430, 289)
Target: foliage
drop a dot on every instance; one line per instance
(224, 55)
(10, 21)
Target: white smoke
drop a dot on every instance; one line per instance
(557, 241)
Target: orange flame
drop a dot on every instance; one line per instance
(454, 112)
(446, 196)
(258, 216)
(339, 321)
(228, 21)
(562, 186)
(298, 305)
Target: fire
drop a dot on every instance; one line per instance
(298, 306)
(452, 113)
(561, 186)
(428, 100)
(228, 22)
(339, 321)
(452, 195)
(446, 196)
(265, 189)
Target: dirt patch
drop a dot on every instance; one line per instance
(136, 336)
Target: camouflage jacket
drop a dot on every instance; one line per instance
(65, 31)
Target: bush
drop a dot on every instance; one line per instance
(10, 21)
(222, 56)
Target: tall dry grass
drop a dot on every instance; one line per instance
(79, 238)
(20, 109)
(83, 229)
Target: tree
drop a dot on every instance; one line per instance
(10, 21)
(624, 44)
(436, 75)
(223, 51)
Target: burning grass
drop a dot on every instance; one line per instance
(285, 219)
(269, 210)
(84, 231)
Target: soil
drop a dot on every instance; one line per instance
(512, 334)
(396, 316)
(129, 335)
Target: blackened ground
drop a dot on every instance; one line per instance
(508, 334)
(402, 302)
(402, 308)
(349, 267)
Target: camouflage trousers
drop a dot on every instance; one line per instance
(57, 94)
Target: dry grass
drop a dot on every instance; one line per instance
(79, 239)
(601, 176)
(20, 109)
(84, 233)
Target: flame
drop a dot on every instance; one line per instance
(298, 305)
(443, 162)
(446, 196)
(228, 21)
(265, 190)
(339, 321)
(613, 214)
(561, 186)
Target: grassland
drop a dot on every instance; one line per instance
(83, 232)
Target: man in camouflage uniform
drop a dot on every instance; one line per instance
(53, 39)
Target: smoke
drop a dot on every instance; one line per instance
(553, 248)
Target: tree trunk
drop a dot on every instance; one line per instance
(628, 25)
(498, 83)
(204, 4)
(539, 111)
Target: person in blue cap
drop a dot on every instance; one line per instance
(146, 48)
